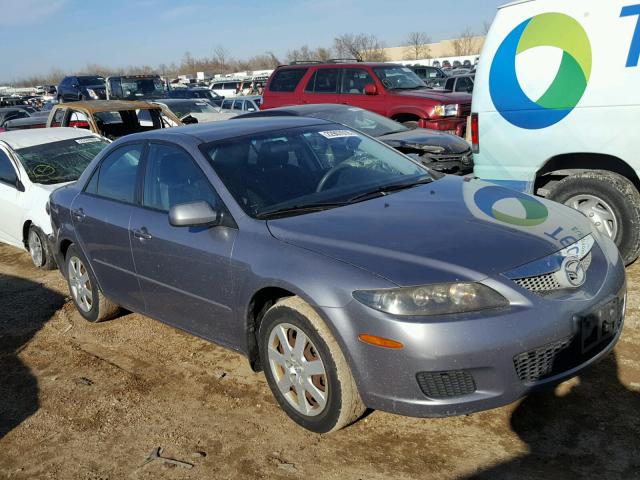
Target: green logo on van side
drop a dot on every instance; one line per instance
(568, 87)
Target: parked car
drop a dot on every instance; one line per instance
(194, 110)
(575, 141)
(437, 150)
(81, 87)
(227, 88)
(351, 274)
(12, 102)
(249, 103)
(198, 92)
(10, 113)
(457, 83)
(112, 118)
(35, 120)
(428, 74)
(391, 90)
(32, 165)
(135, 87)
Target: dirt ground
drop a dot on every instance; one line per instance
(92, 401)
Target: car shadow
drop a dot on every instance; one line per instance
(592, 432)
(25, 307)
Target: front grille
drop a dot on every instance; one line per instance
(539, 363)
(454, 383)
(547, 283)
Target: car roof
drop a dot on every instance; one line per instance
(299, 109)
(215, 131)
(17, 139)
(170, 101)
(108, 105)
(341, 64)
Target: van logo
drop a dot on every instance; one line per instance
(510, 206)
(565, 92)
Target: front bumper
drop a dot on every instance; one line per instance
(479, 348)
(454, 125)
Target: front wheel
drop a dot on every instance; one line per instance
(305, 368)
(39, 249)
(86, 294)
(610, 201)
(412, 124)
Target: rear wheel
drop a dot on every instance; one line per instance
(610, 201)
(305, 368)
(86, 294)
(39, 249)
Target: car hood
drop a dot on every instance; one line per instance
(440, 96)
(453, 229)
(431, 141)
(212, 117)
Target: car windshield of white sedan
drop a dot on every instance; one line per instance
(59, 162)
(295, 171)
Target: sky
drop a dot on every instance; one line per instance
(39, 35)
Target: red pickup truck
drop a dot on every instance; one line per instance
(391, 90)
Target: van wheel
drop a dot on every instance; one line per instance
(39, 249)
(86, 294)
(306, 369)
(610, 201)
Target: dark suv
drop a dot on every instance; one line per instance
(391, 90)
(81, 87)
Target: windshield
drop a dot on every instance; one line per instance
(398, 78)
(86, 81)
(59, 162)
(182, 109)
(363, 120)
(142, 87)
(319, 165)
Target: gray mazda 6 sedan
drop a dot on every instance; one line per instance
(351, 274)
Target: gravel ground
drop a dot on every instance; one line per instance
(92, 401)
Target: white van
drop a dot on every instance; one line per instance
(556, 108)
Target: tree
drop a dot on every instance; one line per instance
(220, 56)
(320, 54)
(465, 44)
(417, 46)
(363, 47)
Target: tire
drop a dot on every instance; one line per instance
(81, 280)
(342, 404)
(609, 199)
(412, 124)
(39, 249)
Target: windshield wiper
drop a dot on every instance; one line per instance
(409, 88)
(384, 189)
(302, 208)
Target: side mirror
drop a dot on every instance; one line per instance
(19, 185)
(370, 89)
(189, 120)
(194, 214)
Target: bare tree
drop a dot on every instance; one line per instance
(320, 54)
(465, 44)
(220, 56)
(417, 46)
(363, 47)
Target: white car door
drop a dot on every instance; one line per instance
(11, 209)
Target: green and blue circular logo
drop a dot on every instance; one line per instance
(568, 87)
(510, 206)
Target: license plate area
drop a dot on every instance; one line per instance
(601, 324)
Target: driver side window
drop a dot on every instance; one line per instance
(7, 172)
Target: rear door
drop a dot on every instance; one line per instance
(323, 87)
(101, 214)
(184, 271)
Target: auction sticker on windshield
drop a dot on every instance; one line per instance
(338, 134)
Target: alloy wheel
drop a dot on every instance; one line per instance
(80, 284)
(35, 248)
(298, 370)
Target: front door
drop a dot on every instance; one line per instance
(12, 211)
(184, 271)
(101, 216)
(352, 91)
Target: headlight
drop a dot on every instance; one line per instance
(92, 93)
(437, 299)
(446, 110)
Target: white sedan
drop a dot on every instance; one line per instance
(33, 163)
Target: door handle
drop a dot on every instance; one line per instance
(142, 234)
(78, 214)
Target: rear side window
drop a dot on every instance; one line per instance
(115, 178)
(325, 80)
(287, 80)
(58, 117)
